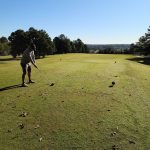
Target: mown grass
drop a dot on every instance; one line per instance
(81, 110)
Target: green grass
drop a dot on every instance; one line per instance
(80, 111)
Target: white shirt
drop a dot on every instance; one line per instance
(28, 56)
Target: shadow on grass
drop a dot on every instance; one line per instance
(9, 59)
(142, 60)
(11, 87)
(18, 58)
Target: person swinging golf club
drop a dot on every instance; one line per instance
(27, 57)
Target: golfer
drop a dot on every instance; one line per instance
(27, 57)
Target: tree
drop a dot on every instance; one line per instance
(133, 48)
(18, 41)
(56, 42)
(80, 47)
(4, 46)
(62, 44)
(143, 45)
(42, 41)
(3, 39)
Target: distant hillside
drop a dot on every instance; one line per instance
(107, 46)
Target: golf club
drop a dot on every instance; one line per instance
(45, 77)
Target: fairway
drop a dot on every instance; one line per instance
(82, 110)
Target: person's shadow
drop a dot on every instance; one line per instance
(11, 87)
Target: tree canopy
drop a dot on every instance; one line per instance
(4, 46)
(65, 45)
(143, 45)
(20, 39)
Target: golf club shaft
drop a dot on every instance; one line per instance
(43, 75)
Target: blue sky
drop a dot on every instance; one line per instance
(93, 21)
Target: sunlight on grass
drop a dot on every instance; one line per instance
(81, 110)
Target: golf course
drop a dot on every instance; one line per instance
(78, 102)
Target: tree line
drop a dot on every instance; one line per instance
(111, 50)
(143, 44)
(19, 40)
(4, 46)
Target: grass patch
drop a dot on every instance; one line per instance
(80, 111)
